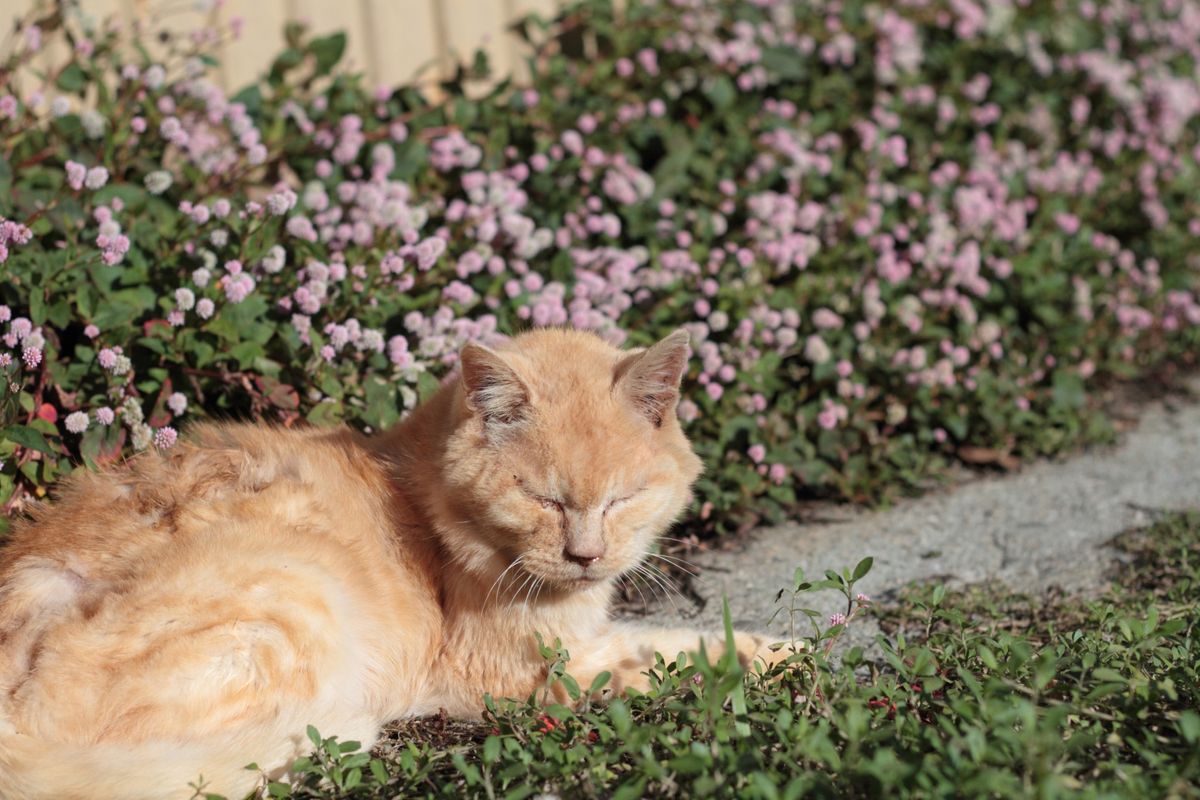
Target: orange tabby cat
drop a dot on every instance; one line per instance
(194, 612)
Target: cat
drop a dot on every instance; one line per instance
(176, 619)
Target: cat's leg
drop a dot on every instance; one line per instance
(626, 650)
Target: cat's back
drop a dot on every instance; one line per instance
(232, 554)
(274, 480)
(250, 580)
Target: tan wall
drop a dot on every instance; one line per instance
(389, 40)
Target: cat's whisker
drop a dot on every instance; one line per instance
(663, 591)
(664, 580)
(520, 589)
(662, 575)
(641, 594)
(529, 593)
(678, 563)
(659, 586)
(500, 577)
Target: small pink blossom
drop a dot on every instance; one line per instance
(76, 174)
(77, 422)
(165, 437)
(178, 403)
(96, 178)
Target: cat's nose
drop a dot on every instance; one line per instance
(582, 555)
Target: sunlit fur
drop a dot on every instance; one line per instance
(194, 611)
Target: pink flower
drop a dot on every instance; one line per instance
(1068, 223)
(778, 474)
(757, 453)
(816, 351)
(96, 178)
(429, 251)
(837, 619)
(77, 422)
(107, 358)
(238, 287)
(76, 174)
(105, 415)
(178, 403)
(165, 437)
(281, 202)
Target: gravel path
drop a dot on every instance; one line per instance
(1044, 526)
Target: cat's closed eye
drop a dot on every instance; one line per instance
(549, 503)
(620, 501)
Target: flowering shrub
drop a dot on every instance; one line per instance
(898, 233)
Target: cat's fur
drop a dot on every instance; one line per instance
(196, 610)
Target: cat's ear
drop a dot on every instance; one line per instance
(492, 389)
(649, 379)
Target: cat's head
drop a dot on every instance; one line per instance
(566, 455)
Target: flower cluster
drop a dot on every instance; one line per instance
(886, 256)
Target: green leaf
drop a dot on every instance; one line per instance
(721, 92)
(863, 567)
(29, 438)
(250, 97)
(313, 736)
(1109, 675)
(328, 50)
(72, 79)
(491, 749)
(1189, 726)
(599, 682)
(1069, 389)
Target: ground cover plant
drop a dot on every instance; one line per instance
(974, 692)
(900, 234)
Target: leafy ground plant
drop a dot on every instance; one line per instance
(899, 234)
(973, 693)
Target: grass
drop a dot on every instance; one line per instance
(972, 692)
(976, 692)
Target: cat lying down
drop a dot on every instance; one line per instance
(196, 610)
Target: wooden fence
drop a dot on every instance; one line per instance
(391, 41)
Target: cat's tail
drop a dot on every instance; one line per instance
(31, 769)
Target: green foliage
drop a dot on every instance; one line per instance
(974, 693)
(899, 236)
